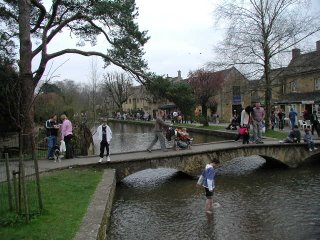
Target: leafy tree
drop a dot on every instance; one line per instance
(180, 93)
(205, 85)
(9, 92)
(158, 86)
(32, 27)
(259, 31)
(47, 104)
(49, 88)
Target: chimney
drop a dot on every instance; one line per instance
(179, 75)
(295, 53)
(318, 45)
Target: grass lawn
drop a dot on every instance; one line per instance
(66, 196)
(276, 134)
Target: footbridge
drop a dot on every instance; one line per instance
(192, 161)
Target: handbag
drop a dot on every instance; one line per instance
(62, 146)
(200, 180)
(243, 130)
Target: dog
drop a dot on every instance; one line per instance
(56, 150)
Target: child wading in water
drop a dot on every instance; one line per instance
(207, 181)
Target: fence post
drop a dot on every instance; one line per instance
(36, 168)
(16, 194)
(24, 190)
(8, 180)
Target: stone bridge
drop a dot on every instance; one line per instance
(192, 161)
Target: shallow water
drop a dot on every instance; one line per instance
(256, 203)
(130, 137)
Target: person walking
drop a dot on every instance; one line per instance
(52, 128)
(104, 135)
(66, 135)
(159, 127)
(207, 181)
(314, 123)
(245, 125)
(258, 114)
(292, 117)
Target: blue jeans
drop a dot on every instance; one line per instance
(52, 141)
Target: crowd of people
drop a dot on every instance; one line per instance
(254, 118)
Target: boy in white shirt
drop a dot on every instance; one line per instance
(105, 136)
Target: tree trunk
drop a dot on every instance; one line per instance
(25, 72)
(204, 115)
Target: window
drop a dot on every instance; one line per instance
(317, 84)
(236, 90)
(293, 86)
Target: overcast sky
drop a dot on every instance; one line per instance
(182, 37)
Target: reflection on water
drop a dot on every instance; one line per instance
(255, 204)
(130, 137)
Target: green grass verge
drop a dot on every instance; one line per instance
(66, 196)
(276, 134)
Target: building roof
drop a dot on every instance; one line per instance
(304, 63)
(299, 98)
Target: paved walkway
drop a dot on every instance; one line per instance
(47, 165)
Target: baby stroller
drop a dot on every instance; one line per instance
(181, 139)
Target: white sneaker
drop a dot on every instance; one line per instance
(100, 160)
(310, 150)
(108, 158)
(315, 148)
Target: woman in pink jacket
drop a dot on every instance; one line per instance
(66, 135)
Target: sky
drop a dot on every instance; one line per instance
(182, 37)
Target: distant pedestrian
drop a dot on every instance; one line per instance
(67, 135)
(52, 128)
(258, 114)
(207, 181)
(273, 120)
(314, 123)
(104, 135)
(308, 138)
(306, 115)
(281, 117)
(159, 127)
(292, 117)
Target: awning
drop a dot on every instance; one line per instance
(167, 106)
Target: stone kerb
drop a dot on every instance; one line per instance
(94, 224)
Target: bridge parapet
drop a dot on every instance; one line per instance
(192, 161)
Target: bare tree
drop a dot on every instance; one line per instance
(93, 85)
(258, 31)
(118, 86)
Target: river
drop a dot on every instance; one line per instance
(255, 202)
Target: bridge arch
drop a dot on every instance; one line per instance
(192, 162)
